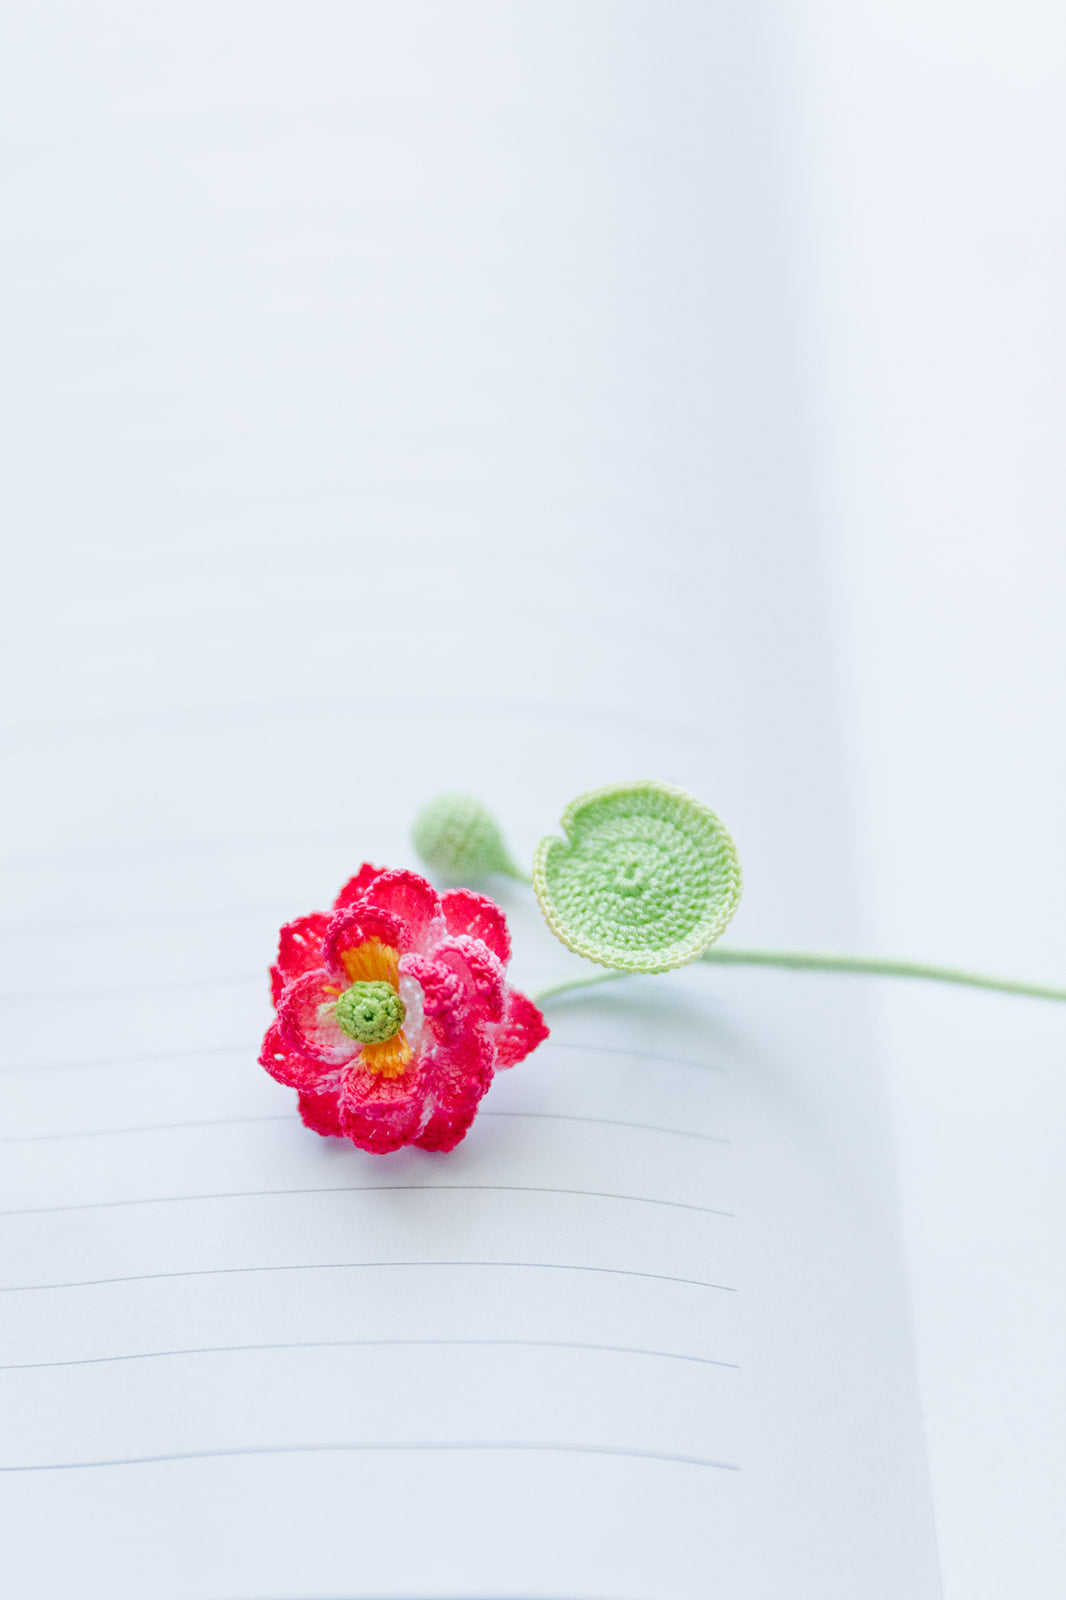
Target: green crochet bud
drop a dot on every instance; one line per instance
(455, 834)
(370, 1012)
(647, 879)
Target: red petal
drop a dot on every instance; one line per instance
(306, 1022)
(383, 1130)
(443, 1132)
(299, 950)
(321, 1113)
(480, 970)
(521, 1031)
(357, 886)
(459, 1074)
(467, 912)
(379, 1113)
(410, 897)
(288, 1066)
(445, 1001)
(363, 1090)
(354, 926)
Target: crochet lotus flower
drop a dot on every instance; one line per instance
(393, 1011)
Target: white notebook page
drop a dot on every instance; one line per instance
(405, 410)
(209, 1308)
(938, 268)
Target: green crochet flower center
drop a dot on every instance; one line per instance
(647, 879)
(370, 1012)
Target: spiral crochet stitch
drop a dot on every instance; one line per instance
(369, 1012)
(646, 879)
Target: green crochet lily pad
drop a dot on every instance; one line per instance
(646, 879)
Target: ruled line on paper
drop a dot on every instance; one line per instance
(611, 1122)
(146, 1127)
(109, 991)
(367, 1188)
(16, 930)
(347, 1266)
(27, 997)
(378, 1446)
(173, 847)
(77, 1063)
(640, 1055)
(277, 911)
(346, 1344)
(134, 722)
(287, 1116)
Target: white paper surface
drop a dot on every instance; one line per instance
(929, 174)
(404, 403)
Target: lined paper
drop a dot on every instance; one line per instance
(188, 1285)
(406, 406)
(206, 1305)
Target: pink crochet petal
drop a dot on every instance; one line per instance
(321, 1113)
(355, 887)
(480, 970)
(384, 1129)
(288, 1066)
(459, 1075)
(410, 897)
(445, 1002)
(299, 950)
(361, 1089)
(522, 1030)
(379, 1113)
(476, 914)
(307, 1023)
(379, 1135)
(444, 1131)
(356, 925)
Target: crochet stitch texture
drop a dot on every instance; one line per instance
(393, 1011)
(456, 834)
(646, 880)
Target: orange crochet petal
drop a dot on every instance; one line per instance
(389, 1058)
(372, 962)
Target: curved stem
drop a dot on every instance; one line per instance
(876, 967)
(819, 961)
(550, 990)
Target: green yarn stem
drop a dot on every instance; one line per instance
(816, 961)
(550, 990)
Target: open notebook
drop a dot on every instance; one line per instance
(406, 402)
(641, 1331)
